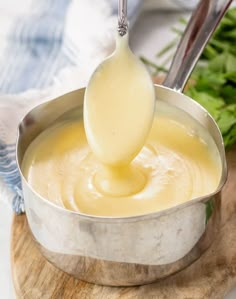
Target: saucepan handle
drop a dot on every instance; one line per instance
(201, 26)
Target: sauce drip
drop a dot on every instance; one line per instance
(118, 112)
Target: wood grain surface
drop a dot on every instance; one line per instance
(212, 276)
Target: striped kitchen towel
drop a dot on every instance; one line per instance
(42, 42)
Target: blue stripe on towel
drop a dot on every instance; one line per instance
(34, 52)
(10, 174)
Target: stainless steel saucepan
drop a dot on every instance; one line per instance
(134, 250)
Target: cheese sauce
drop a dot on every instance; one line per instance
(119, 107)
(178, 162)
(118, 112)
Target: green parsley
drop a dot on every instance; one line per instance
(214, 76)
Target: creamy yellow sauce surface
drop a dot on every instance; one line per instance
(178, 162)
(124, 169)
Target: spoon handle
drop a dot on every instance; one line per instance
(122, 17)
(201, 26)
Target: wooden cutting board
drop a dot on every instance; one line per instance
(210, 277)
